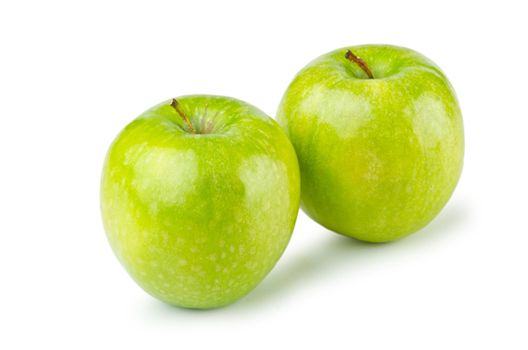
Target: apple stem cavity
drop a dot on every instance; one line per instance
(357, 60)
(174, 104)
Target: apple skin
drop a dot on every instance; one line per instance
(380, 157)
(198, 220)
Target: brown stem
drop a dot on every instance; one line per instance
(353, 58)
(174, 104)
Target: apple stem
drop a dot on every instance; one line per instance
(357, 60)
(174, 104)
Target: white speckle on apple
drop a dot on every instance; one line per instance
(250, 265)
(212, 257)
(375, 165)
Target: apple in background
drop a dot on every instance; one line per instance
(379, 137)
(199, 198)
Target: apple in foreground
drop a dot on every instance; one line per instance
(379, 137)
(199, 198)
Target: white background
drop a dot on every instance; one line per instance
(72, 74)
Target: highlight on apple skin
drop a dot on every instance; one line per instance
(199, 197)
(379, 137)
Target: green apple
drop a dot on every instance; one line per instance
(199, 198)
(379, 137)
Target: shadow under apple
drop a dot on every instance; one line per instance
(337, 250)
